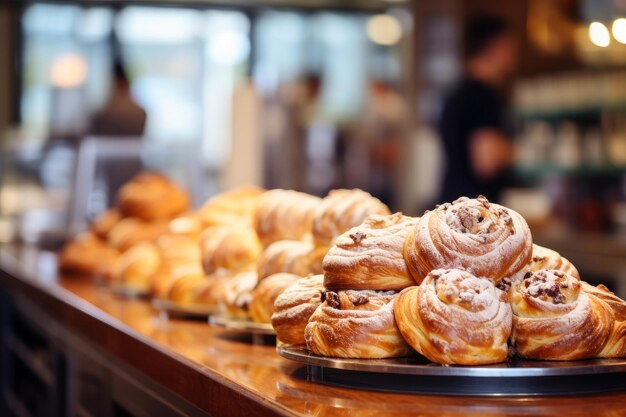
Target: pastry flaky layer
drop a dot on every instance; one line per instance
(558, 317)
(292, 256)
(342, 210)
(544, 258)
(265, 294)
(355, 324)
(152, 196)
(229, 248)
(475, 235)
(454, 317)
(294, 307)
(370, 256)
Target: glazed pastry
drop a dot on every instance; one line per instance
(238, 293)
(292, 256)
(151, 196)
(188, 224)
(294, 307)
(105, 222)
(284, 215)
(485, 239)
(454, 317)
(616, 345)
(355, 324)
(369, 256)
(554, 319)
(130, 231)
(87, 255)
(137, 266)
(229, 248)
(232, 207)
(265, 294)
(544, 258)
(342, 210)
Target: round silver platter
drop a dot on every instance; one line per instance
(243, 326)
(171, 309)
(416, 374)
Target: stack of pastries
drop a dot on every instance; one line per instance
(463, 285)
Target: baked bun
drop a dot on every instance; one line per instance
(87, 255)
(554, 319)
(454, 317)
(137, 266)
(544, 258)
(616, 345)
(229, 248)
(294, 307)
(292, 256)
(130, 231)
(189, 286)
(355, 324)
(485, 239)
(369, 256)
(165, 277)
(284, 215)
(151, 196)
(188, 224)
(342, 210)
(232, 207)
(238, 294)
(105, 222)
(212, 292)
(264, 295)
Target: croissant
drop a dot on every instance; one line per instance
(188, 224)
(292, 256)
(151, 196)
(178, 250)
(238, 293)
(355, 324)
(370, 256)
(554, 319)
(164, 278)
(341, 210)
(454, 317)
(105, 222)
(87, 255)
(485, 239)
(229, 248)
(130, 231)
(616, 345)
(211, 292)
(237, 206)
(187, 288)
(284, 215)
(137, 266)
(294, 307)
(265, 294)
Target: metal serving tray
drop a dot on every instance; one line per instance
(261, 333)
(170, 309)
(418, 375)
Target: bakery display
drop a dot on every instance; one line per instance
(262, 298)
(236, 206)
(292, 256)
(238, 294)
(355, 324)
(136, 267)
(151, 196)
(370, 256)
(229, 248)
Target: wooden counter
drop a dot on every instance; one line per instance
(226, 376)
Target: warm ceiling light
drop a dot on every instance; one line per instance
(619, 30)
(384, 29)
(68, 71)
(599, 34)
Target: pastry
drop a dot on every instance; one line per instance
(165, 277)
(235, 206)
(554, 319)
(485, 239)
(87, 255)
(369, 256)
(342, 210)
(454, 317)
(355, 324)
(130, 231)
(616, 345)
(178, 250)
(229, 248)
(105, 222)
(265, 294)
(151, 196)
(294, 307)
(188, 224)
(284, 215)
(544, 258)
(186, 290)
(238, 293)
(212, 292)
(137, 266)
(292, 256)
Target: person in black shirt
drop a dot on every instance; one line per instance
(472, 122)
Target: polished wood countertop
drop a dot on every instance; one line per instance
(227, 376)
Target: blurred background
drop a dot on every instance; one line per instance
(415, 101)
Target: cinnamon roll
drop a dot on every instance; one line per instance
(369, 256)
(483, 238)
(229, 248)
(554, 319)
(454, 317)
(294, 307)
(292, 256)
(544, 258)
(355, 324)
(265, 294)
(152, 196)
(342, 210)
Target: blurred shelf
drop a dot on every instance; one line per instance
(571, 114)
(584, 171)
